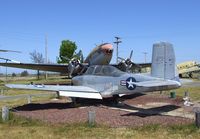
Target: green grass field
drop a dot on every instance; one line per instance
(19, 128)
(22, 128)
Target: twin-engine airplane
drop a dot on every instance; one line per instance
(100, 55)
(103, 81)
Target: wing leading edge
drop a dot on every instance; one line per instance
(69, 91)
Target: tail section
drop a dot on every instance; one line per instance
(163, 61)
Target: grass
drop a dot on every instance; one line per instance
(23, 128)
(22, 80)
(194, 92)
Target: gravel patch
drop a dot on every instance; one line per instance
(58, 112)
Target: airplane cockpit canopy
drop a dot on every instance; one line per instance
(104, 70)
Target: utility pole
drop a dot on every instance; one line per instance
(6, 72)
(46, 56)
(117, 44)
(145, 57)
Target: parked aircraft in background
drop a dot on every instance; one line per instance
(100, 55)
(188, 68)
(102, 81)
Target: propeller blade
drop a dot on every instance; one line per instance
(121, 58)
(131, 54)
(66, 58)
(80, 55)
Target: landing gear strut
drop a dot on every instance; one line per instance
(75, 101)
(115, 99)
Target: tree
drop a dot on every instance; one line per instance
(37, 57)
(24, 73)
(67, 49)
(13, 75)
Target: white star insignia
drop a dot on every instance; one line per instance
(130, 83)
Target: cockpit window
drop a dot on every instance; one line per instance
(97, 70)
(89, 70)
(105, 70)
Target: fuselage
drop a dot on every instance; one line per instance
(100, 55)
(109, 81)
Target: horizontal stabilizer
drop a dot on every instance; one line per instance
(158, 83)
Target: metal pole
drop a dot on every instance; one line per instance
(145, 56)
(46, 57)
(117, 54)
(117, 44)
(6, 71)
(145, 59)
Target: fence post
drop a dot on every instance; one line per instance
(91, 118)
(186, 94)
(197, 119)
(29, 99)
(2, 91)
(5, 113)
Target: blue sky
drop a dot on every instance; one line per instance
(140, 23)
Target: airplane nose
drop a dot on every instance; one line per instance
(107, 48)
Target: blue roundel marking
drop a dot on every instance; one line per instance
(130, 83)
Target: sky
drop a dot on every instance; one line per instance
(140, 23)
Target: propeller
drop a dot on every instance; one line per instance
(73, 66)
(128, 63)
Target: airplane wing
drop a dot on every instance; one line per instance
(69, 91)
(62, 68)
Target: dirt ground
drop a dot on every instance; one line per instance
(137, 110)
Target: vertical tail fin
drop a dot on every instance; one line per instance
(163, 61)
